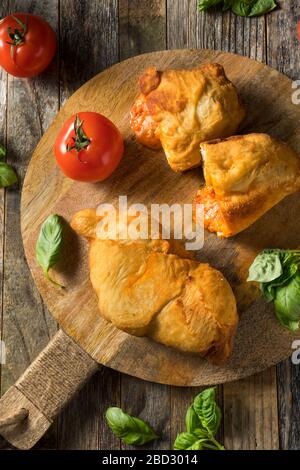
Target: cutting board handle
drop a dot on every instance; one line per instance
(30, 406)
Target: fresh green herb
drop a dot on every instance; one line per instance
(206, 4)
(266, 267)
(2, 152)
(208, 411)
(261, 7)
(240, 7)
(7, 173)
(202, 421)
(278, 272)
(132, 431)
(49, 244)
(192, 421)
(287, 303)
(185, 441)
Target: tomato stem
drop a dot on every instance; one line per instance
(81, 140)
(17, 36)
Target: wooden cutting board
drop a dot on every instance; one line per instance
(146, 178)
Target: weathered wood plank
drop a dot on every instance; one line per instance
(151, 402)
(250, 413)
(88, 41)
(187, 27)
(88, 44)
(26, 329)
(143, 29)
(82, 424)
(3, 111)
(288, 379)
(32, 105)
(283, 53)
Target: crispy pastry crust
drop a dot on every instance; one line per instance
(179, 109)
(245, 177)
(152, 288)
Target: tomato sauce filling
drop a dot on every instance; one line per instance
(213, 220)
(144, 126)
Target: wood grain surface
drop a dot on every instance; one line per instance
(178, 25)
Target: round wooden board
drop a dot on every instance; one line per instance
(146, 178)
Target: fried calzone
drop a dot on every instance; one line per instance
(153, 288)
(245, 177)
(179, 109)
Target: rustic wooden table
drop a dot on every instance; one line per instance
(261, 412)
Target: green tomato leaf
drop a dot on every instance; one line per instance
(266, 267)
(2, 152)
(206, 4)
(7, 175)
(131, 430)
(185, 440)
(49, 244)
(208, 411)
(287, 303)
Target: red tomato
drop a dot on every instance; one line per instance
(32, 44)
(89, 147)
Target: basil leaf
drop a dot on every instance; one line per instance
(287, 303)
(252, 7)
(288, 273)
(240, 8)
(201, 433)
(7, 175)
(290, 258)
(206, 4)
(261, 7)
(208, 411)
(227, 5)
(185, 441)
(284, 289)
(192, 421)
(202, 423)
(198, 445)
(2, 152)
(49, 244)
(266, 267)
(132, 431)
(269, 292)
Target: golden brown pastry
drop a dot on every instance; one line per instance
(245, 176)
(152, 288)
(179, 109)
